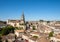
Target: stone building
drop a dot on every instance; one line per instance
(18, 23)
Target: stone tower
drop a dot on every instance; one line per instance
(23, 18)
(22, 22)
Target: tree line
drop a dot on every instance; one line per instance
(6, 30)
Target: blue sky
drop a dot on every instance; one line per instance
(33, 9)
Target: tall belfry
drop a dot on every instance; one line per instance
(23, 18)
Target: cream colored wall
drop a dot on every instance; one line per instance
(10, 23)
(17, 34)
(17, 24)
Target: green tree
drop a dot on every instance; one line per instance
(48, 21)
(34, 28)
(35, 37)
(0, 32)
(41, 20)
(6, 40)
(6, 30)
(51, 34)
(0, 39)
(11, 29)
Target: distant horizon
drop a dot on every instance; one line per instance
(33, 9)
(27, 20)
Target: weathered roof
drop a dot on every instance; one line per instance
(33, 38)
(43, 39)
(58, 36)
(19, 30)
(14, 21)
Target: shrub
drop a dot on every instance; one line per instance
(35, 37)
(51, 34)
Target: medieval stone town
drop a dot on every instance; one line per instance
(31, 31)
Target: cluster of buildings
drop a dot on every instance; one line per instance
(35, 31)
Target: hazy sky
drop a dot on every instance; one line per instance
(33, 9)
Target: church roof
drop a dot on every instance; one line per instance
(14, 21)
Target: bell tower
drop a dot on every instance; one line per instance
(23, 18)
(22, 22)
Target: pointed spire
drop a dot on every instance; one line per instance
(23, 13)
(22, 17)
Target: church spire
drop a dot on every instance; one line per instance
(23, 17)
